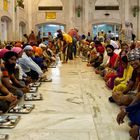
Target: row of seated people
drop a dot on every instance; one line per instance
(20, 66)
(120, 68)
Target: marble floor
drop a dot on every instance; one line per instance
(74, 107)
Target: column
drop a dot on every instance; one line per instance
(85, 26)
(4, 31)
(0, 30)
(138, 21)
(71, 14)
(122, 12)
(29, 16)
(127, 13)
(115, 30)
(13, 21)
(20, 32)
(79, 19)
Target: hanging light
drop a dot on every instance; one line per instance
(78, 10)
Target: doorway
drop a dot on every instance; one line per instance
(114, 28)
(45, 28)
(22, 30)
(6, 26)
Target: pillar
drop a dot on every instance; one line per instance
(30, 27)
(85, 26)
(0, 30)
(138, 21)
(127, 8)
(13, 21)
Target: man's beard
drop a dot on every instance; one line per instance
(10, 68)
(110, 54)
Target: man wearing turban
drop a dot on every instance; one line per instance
(8, 75)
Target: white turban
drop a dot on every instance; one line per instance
(42, 45)
(28, 47)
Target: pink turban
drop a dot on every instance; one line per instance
(2, 52)
(16, 49)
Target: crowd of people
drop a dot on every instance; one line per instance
(118, 62)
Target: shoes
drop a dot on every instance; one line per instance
(111, 99)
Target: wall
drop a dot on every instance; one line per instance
(21, 16)
(15, 17)
(7, 14)
(88, 16)
(41, 16)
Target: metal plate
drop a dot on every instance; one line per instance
(32, 97)
(52, 66)
(4, 136)
(9, 121)
(22, 109)
(36, 84)
(33, 89)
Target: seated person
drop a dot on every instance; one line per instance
(110, 77)
(133, 113)
(96, 56)
(19, 74)
(93, 56)
(38, 58)
(119, 71)
(28, 65)
(100, 50)
(126, 96)
(51, 53)
(91, 47)
(121, 83)
(8, 78)
(112, 65)
(7, 99)
(45, 56)
(103, 64)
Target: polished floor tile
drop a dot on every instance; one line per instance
(74, 107)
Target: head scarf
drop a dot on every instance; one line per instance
(42, 45)
(16, 49)
(134, 54)
(38, 51)
(2, 52)
(28, 47)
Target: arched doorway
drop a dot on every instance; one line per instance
(22, 30)
(113, 27)
(107, 17)
(49, 27)
(6, 25)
